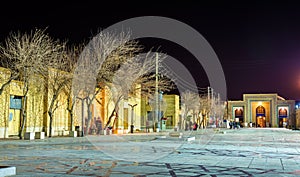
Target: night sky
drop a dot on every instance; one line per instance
(257, 42)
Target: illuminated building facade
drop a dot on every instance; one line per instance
(263, 110)
(39, 98)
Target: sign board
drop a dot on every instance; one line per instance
(15, 102)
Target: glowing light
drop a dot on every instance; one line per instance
(259, 103)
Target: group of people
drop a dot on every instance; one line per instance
(234, 125)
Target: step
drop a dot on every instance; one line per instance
(7, 171)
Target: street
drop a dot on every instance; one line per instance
(228, 152)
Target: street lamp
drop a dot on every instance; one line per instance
(132, 111)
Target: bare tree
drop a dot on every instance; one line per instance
(103, 55)
(60, 81)
(220, 112)
(132, 75)
(190, 103)
(57, 80)
(8, 63)
(71, 57)
(13, 74)
(205, 110)
(122, 68)
(29, 54)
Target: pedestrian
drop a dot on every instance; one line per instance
(234, 125)
(195, 126)
(98, 126)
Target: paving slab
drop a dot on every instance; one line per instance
(242, 152)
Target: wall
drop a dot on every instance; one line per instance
(171, 110)
(38, 99)
(4, 103)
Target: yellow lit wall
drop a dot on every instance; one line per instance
(4, 104)
(172, 110)
(265, 104)
(61, 118)
(35, 106)
(38, 99)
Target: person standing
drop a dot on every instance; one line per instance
(195, 126)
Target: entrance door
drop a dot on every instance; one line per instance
(282, 116)
(14, 121)
(261, 121)
(282, 122)
(260, 116)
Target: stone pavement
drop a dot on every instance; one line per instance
(242, 152)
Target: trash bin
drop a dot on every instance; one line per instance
(131, 128)
(79, 132)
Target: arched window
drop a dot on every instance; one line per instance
(260, 111)
(282, 112)
(238, 112)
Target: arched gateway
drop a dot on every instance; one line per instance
(261, 116)
(262, 110)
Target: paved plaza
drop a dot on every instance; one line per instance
(227, 152)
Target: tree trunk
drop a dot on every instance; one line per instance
(71, 120)
(50, 123)
(24, 106)
(70, 110)
(4, 85)
(50, 113)
(113, 112)
(71, 115)
(7, 83)
(109, 118)
(21, 132)
(115, 120)
(88, 123)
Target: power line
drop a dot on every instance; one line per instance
(183, 82)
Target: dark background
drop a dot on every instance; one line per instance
(257, 42)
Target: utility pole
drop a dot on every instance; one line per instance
(208, 93)
(82, 115)
(156, 95)
(81, 133)
(132, 112)
(218, 110)
(211, 112)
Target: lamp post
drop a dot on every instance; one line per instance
(157, 124)
(132, 111)
(82, 117)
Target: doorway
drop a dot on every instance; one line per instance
(260, 116)
(14, 117)
(261, 121)
(282, 117)
(14, 122)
